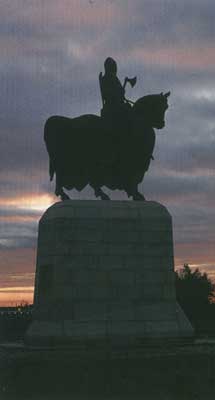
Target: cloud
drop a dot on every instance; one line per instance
(19, 217)
(191, 158)
(68, 14)
(179, 186)
(169, 21)
(17, 289)
(182, 58)
(13, 241)
(201, 254)
(18, 260)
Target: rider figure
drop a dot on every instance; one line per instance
(113, 92)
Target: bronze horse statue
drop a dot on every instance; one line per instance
(93, 150)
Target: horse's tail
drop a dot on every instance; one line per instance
(50, 141)
(51, 169)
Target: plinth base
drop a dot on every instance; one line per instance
(159, 323)
(105, 274)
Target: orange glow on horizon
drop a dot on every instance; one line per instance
(29, 202)
(16, 289)
(12, 296)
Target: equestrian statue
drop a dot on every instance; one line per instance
(112, 150)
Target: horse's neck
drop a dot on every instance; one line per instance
(140, 124)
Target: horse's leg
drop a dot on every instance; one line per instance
(138, 196)
(132, 191)
(64, 196)
(59, 189)
(99, 193)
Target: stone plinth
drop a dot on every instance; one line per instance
(105, 272)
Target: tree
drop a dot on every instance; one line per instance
(195, 294)
(194, 285)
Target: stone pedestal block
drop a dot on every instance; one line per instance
(105, 272)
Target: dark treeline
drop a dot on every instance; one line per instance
(196, 294)
(14, 321)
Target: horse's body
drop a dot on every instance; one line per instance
(88, 150)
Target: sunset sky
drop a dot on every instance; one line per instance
(51, 54)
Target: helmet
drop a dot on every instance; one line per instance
(110, 65)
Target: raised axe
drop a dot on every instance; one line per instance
(132, 81)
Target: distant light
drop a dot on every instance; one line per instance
(30, 203)
(15, 289)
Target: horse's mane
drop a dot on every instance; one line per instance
(147, 102)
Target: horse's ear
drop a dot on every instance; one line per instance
(161, 94)
(167, 94)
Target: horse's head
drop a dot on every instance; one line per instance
(152, 109)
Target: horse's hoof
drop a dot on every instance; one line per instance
(64, 197)
(99, 193)
(139, 197)
(104, 196)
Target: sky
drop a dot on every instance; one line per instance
(51, 54)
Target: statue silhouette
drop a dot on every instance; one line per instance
(113, 150)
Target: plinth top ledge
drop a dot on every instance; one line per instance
(106, 209)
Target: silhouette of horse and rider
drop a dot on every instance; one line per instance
(112, 150)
